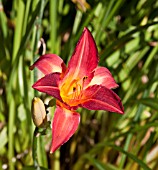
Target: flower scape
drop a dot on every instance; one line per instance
(80, 84)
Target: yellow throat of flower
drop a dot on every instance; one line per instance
(72, 90)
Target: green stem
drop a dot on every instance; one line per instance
(34, 150)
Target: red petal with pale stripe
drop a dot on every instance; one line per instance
(65, 123)
(49, 63)
(101, 98)
(102, 76)
(49, 84)
(85, 57)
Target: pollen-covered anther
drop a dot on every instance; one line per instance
(84, 78)
(76, 91)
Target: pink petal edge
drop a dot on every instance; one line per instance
(64, 125)
(101, 98)
(85, 57)
(102, 76)
(49, 63)
(49, 84)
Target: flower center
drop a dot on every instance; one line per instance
(71, 91)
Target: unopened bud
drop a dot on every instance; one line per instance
(38, 112)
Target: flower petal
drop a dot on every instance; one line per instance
(101, 98)
(49, 63)
(65, 123)
(85, 57)
(49, 84)
(102, 76)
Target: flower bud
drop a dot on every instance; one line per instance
(38, 112)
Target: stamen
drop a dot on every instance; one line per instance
(74, 91)
(83, 81)
(84, 78)
(78, 90)
(68, 89)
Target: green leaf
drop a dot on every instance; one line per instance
(3, 138)
(98, 164)
(150, 102)
(33, 168)
(133, 157)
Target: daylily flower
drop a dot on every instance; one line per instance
(81, 84)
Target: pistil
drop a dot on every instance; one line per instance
(73, 92)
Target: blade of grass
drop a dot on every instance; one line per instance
(24, 41)
(53, 24)
(109, 14)
(150, 102)
(27, 11)
(129, 136)
(12, 112)
(150, 57)
(3, 21)
(98, 164)
(122, 41)
(133, 157)
(18, 29)
(77, 21)
(134, 59)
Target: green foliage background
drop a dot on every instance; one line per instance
(126, 33)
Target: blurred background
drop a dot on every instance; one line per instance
(126, 34)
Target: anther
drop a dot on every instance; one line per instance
(74, 89)
(84, 78)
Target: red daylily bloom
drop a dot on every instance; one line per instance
(81, 84)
